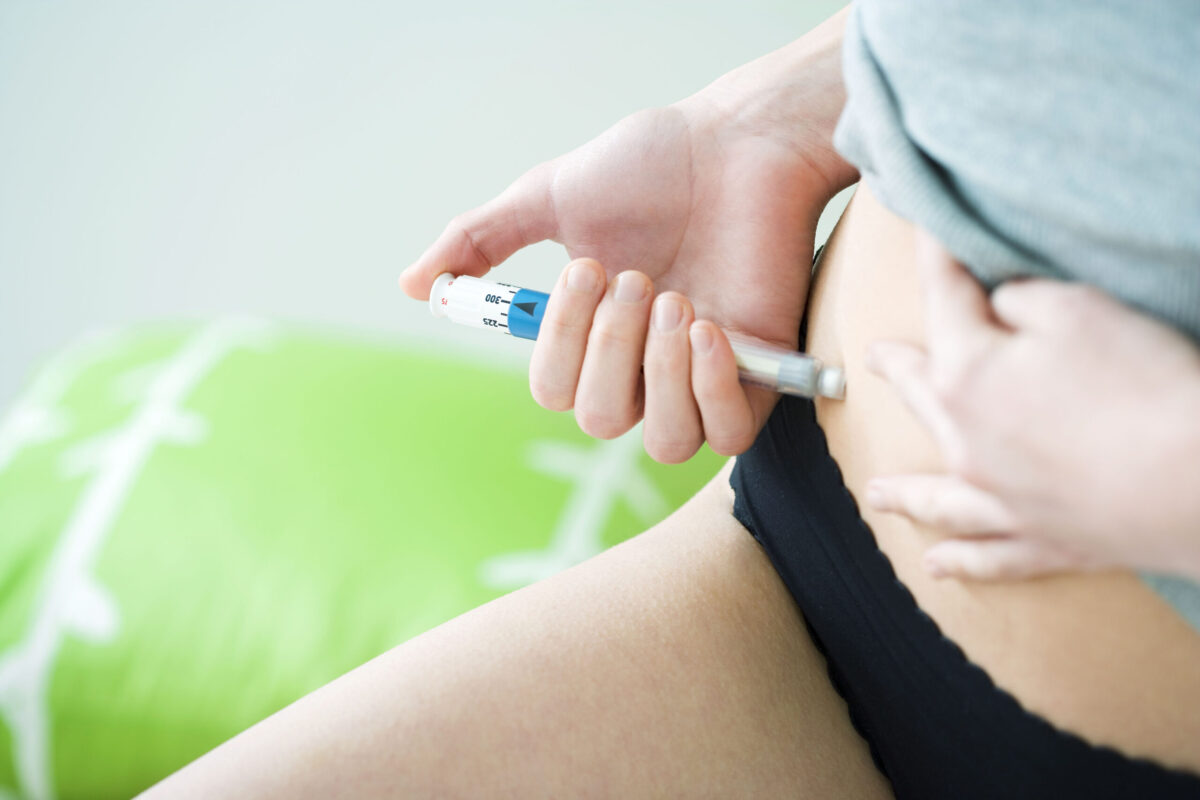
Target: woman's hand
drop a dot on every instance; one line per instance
(712, 205)
(1070, 426)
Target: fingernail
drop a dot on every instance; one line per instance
(631, 287)
(581, 278)
(668, 313)
(701, 336)
(875, 496)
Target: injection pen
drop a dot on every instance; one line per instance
(518, 312)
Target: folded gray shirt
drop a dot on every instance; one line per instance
(1033, 138)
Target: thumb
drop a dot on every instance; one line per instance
(480, 239)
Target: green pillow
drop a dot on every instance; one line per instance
(198, 526)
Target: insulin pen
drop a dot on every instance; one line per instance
(518, 312)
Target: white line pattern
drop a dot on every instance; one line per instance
(70, 600)
(602, 474)
(37, 416)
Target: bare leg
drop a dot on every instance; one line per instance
(674, 664)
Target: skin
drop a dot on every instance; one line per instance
(676, 664)
(1030, 487)
(702, 215)
(1097, 653)
(711, 204)
(672, 665)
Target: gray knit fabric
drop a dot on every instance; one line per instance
(1032, 138)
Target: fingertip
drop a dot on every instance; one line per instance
(730, 423)
(417, 278)
(1021, 303)
(591, 263)
(671, 452)
(583, 275)
(602, 426)
(931, 255)
(672, 431)
(985, 560)
(606, 325)
(669, 312)
(549, 397)
(632, 287)
(702, 335)
(952, 558)
(939, 266)
(890, 359)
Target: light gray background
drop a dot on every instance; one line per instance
(179, 160)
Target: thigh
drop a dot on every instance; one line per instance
(675, 664)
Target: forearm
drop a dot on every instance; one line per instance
(793, 95)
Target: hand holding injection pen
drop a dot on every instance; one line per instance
(518, 312)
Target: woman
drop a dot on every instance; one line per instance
(687, 661)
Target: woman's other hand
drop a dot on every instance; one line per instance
(1069, 424)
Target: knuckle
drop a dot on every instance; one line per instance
(561, 325)
(982, 564)
(731, 444)
(551, 396)
(601, 425)
(610, 333)
(966, 561)
(991, 569)
(928, 508)
(666, 366)
(456, 225)
(723, 448)
(671, 451)
(462, 228)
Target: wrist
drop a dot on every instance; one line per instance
(793, 97)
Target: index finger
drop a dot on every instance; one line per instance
(958, 316)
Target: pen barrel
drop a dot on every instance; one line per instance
(472, 301)
(785, 371)
(485, 304)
